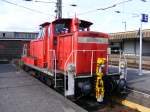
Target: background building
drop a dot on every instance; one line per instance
(18, 35)
(11, 43)
(128, 42)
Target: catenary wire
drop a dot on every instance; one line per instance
(105, 8)
(33, 10)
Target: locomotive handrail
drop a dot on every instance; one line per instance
(65, 71)
(88, 50)
(75, 55)
(75, 51)
(54, 54)
(92, 51)
(92, 64)
(67, 60)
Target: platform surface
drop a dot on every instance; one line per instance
(20, 92)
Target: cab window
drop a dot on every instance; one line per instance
(49, 31)
(59, 28)
(41, 33)
(62, 27)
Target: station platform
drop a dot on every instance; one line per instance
(20, 92)
(138, 87)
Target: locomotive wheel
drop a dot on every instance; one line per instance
(42, 78)
(49, 82)
(32, 73)
(38, 75)
(26, 69)
(121, 87)
(109, 85)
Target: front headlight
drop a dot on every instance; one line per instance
(103, 65)
(122, 65)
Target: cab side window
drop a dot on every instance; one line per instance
(49, 32)
(41, 33)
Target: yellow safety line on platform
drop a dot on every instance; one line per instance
(135, 106)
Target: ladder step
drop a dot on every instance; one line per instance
(59, 86)
(59, 79)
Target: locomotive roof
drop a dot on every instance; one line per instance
(83, 23)
(44, 24)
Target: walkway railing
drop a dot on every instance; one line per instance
(73, 55)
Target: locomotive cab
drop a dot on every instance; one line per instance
(77, 52)
(77, 44)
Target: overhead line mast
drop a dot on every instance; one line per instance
(59, 9)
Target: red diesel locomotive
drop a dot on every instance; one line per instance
(71, 56)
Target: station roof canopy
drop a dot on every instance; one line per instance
(129, 35)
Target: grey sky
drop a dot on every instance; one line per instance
(16, 18)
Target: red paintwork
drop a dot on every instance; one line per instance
(40, 55)
(36, 52)
(28, 60)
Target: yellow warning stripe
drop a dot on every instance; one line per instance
(134, 106)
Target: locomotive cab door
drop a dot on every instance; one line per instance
(62, 30)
